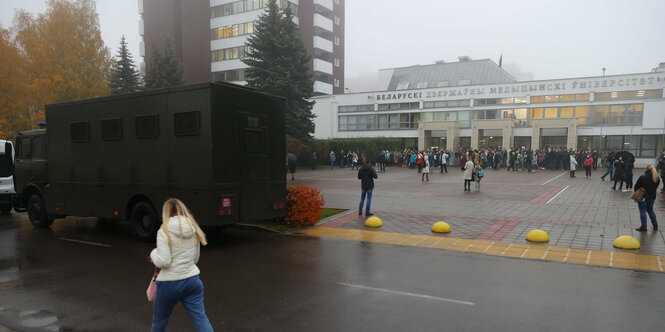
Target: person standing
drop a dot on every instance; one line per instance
(649, 183)
(468, 174)
(444, 162)
(342, 159)
(179, 241)
(478, 174)
(607, 162)
(573, 163)
(291, 160)
(366, 174)
(588, 162)
(332, 160)
(618, 173)
(314, 159)
(425, 169)
(595, 155)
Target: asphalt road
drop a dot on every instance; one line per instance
(260, 281)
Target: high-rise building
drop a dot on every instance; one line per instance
(209, 36)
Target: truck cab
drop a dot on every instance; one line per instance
(31, 176)
(7, 191)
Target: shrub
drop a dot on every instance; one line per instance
(304, 205)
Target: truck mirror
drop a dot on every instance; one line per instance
(9, 152)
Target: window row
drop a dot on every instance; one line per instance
(229, 75)
(560, 98)
(356, 108)
(248, 5)
(230, 53)
(233, 30)
(146, 126)
(637, 94)
(449, 103)
(399, 106)
(378, 121)
(644, 146)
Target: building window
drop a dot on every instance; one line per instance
(402, 86)
(336, 20)
(444, 103)
(582, 114)
(337, 2)
(635, 112)
(147, 126)
(233, 31)
(442, 84)
(336, 40)
(355, 108)
(336, 83)
(422, 85)
(399, 106)
(336, 62)
(230, 53)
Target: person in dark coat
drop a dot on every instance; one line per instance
(649, 182)
(618, 173)
(366, 174)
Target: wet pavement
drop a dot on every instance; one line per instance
(91, 276)
(577, 213)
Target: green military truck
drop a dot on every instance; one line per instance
(218, 147)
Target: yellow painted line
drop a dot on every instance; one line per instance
(613, 259)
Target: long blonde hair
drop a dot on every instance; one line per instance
(175, 207)
(654, 173)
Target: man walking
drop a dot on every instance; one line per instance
(366, 174)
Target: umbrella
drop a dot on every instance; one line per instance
(626, 156)
(291, 157)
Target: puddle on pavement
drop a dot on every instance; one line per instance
(42, 319)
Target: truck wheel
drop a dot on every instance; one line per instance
(37, 212)
(144, 221)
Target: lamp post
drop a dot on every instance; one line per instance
(603, 71)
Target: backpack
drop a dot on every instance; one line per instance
(481, 173)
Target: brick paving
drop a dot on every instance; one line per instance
(576, 212)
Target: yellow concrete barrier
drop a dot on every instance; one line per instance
(627, 242)
(373, 222)
(441, 227)
(537, 235)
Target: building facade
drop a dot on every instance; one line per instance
(209, 36)
(620, 112)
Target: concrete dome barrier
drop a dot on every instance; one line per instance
(441, 227)
(537, 235)
(627, 242)
(373, 222)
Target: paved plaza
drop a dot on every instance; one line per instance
(577, 213)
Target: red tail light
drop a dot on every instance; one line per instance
(277, 206)
(225, 212)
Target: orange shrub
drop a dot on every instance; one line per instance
(304, 205)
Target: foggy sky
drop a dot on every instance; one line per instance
(550, 39)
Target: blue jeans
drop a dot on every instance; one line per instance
(646, 207)
(609, 172)
(188, 291)
(368, 193)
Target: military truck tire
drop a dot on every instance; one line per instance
(144, 221)
(37, 212)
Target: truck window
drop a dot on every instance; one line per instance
(187, 123)
(25, 147)
(147, 126)
(38, 147)
(112, 129)
(80, 131)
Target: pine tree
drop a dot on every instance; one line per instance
(124, 76)
(279, 64)
(163, 70)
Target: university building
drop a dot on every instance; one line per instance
(209, 36)
(475, 104)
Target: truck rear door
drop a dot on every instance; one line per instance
(254, 166)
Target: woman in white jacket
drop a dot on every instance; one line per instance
(468, 174)
(178, 246)
(573, 163)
